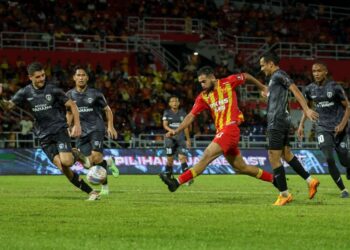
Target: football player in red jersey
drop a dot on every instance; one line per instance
(219, 97)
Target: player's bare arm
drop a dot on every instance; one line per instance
(188, 138)
(300, 131)
(345, 119)
(166, 126)
(69, 117)
(256, 82)
(184, 124)
(76, 129)
(312, 115)
(110, 125)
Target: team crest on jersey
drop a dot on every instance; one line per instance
(61, 146)
(89, 100)
(329, 94)
(48, 97)
(342, 145)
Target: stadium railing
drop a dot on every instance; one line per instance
(93, 43)
(252, 47)
(18, 140)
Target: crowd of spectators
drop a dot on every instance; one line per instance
(297, 21)
(139, 101)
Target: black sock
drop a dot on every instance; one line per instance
(184, 167)
(80, 183)
(104, 165)
(168, 170)
(332, 167)
(280, 177)
(334, 172)
(298, 168)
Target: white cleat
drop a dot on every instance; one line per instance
(94, 196)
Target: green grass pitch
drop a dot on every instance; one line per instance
(217, 212)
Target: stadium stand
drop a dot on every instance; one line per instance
(138, 83)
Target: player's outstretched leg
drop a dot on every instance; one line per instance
(334, 172)
(184, 168)
(79, 156)
(293, 161)
(210, 153)
(111, 165)
(64, 161)
(104, 185)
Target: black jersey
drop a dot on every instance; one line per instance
(277, 107)
(47, 105)
(91, 103)
(174, 120)
(327, 99)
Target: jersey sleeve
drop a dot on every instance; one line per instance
(234, 80)
(101, 100)
(60, 95)
(19, 97)
(165, 115)
(307, 93)
(285, 80)
(339, 92)
(199, 106)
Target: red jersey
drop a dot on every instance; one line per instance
(222, 102)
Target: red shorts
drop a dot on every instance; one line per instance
(228, 139)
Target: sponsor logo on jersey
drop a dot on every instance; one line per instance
(85, 109)
(41, 107)
(325, 104)
(219, 105)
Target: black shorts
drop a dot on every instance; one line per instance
(173, 146)
(278, 139)
(91, 142)
(328, 139)
(54, 144)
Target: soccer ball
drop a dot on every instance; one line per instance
(96, 175)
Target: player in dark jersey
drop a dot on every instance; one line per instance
(48, 104)
(332, 105)
(91, 106)
(278, 126)
(178, 144)
(218, 96)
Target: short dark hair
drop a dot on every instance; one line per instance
(77, 67)
(321, 63)
(33, 67)
(173, 96)
(271, 57)
(206, 70)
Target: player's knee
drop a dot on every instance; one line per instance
(67, 161)
(57, 162)
(97, 157)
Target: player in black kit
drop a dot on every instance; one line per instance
(332, 105)
(278, 126)
(91, 106)
(172, 118)
(48, 104)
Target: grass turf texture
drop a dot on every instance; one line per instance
(217, 212)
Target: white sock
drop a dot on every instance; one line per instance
(284, 193)
(105, 187)
(309, 179)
